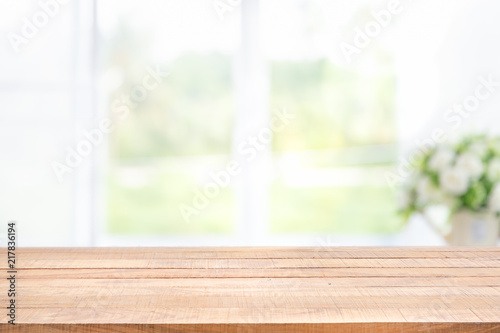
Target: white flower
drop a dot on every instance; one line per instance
(478, 148)
(454, 180)
(426, 191)
(494, 170)
(471, 164)
(441, 159)
(494, 202)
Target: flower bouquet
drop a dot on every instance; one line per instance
(464, 177)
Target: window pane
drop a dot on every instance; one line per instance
(331, 159)
(171, 137)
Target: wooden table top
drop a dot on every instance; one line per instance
(324, 289)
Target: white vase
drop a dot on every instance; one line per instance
(473, 229)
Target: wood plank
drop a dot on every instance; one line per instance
(260, 253)
(360, 281)
(247, 315)
(321, 286)
(249, 264)
(354, 272)
(192, 302)
(407, 327)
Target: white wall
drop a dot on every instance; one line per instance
(37, 121)
(443, 48)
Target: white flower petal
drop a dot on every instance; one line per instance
(471, 164)
(454, 180)
(441, 159)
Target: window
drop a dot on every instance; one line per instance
(168, 138)
(330, 161)
(228, 76)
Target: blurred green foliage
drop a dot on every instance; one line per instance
(190, 113)
(335, 107)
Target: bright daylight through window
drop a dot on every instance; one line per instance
(181, 128)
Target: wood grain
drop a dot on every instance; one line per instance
(342, 289)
